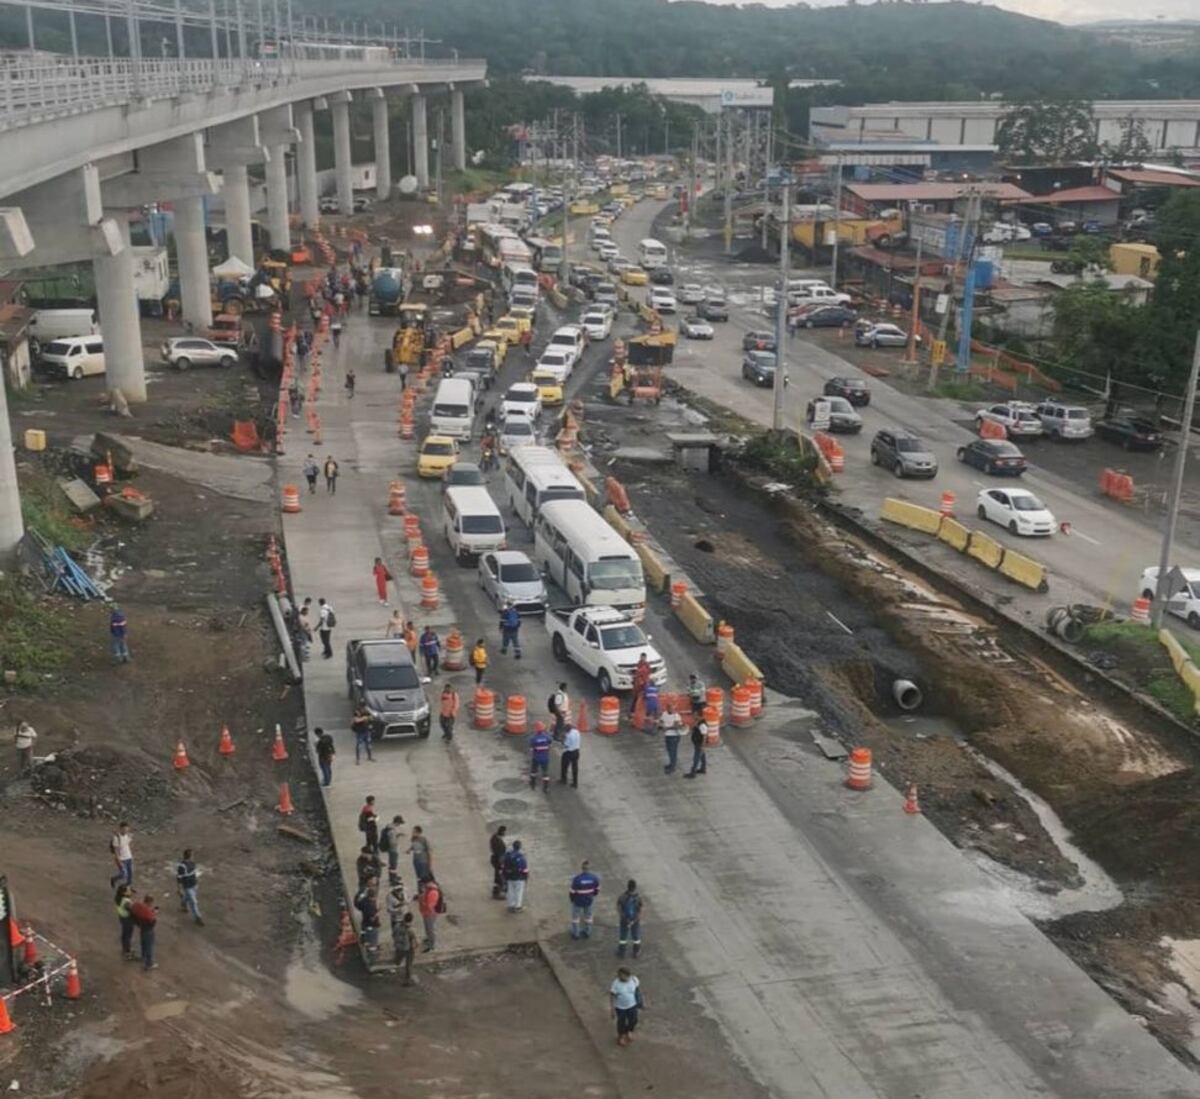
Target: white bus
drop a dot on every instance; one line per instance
(516, 274)
(589, 560)
(453, 408)
(535, 475)
(652, 253)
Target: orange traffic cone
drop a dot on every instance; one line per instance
(74, 985)
(226, 747)
(581, 721)
(638, 721)
(31, 954)
(911, 804)
(279, 750)
(181, 757)
(7, 1026)
(285, 805)
(15, 938)
(346, 934)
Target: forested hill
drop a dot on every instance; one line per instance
(894, 50)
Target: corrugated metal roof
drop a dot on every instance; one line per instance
(1078, 194)
(1154, 179)
(935, 192)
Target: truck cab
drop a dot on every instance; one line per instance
(606, 643)
(381, 677)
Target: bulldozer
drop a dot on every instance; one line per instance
(409, 338)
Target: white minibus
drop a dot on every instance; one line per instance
(535, 475)
(453, 408)
(471, 522)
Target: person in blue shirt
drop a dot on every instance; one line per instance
(510, 630)
(431, 649)
(629, 915)
(585, 887)
(539, 757)
(118, 629)
(516, 874)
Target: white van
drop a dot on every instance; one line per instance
(516, 274)
(535, 475)
(471, 522)
(652, 253)
(52, 324)
(74, 357)
(589, 560)
(453, 408)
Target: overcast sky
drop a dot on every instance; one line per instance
(1065, 11)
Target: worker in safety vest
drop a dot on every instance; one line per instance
(539, 757)
(585, 887)
(449, 711)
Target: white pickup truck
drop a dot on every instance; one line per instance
(606, 643)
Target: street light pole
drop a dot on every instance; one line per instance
(785, 234)
(1185, 432)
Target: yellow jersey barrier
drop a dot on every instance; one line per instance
(1184, 668)
(1024, 570)
(696, 619)
(738, 666)
(985, 549)
(953, 533)
(657, 577)
(618, 522)
(463, 335)
(911, 515)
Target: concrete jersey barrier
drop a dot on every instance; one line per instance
(1024, 570)
(953, 533)
(1182, 662)
(738, 666)
(985, 549)
(657, 577)
(910, 515)
(698, 621)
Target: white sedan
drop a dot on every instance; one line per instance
(522, 399)
(516, 431)
(690, 293)
(662, 301)
(696, 328)
(1017, 509)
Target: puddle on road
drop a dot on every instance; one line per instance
(311, 988)
(1098, 892)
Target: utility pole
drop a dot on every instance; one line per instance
(441, 123)
(729, 183)
(960, 255)
(785, 233)
(1185, 434)
(910, 355)
(618, 137)
(691, 194)
(837, 219)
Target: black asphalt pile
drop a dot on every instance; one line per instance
(106, 783)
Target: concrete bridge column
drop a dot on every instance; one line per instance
(119, 318)
(277, 198)
(339, 104)
(16, 241)
(191, 250)
(458, 129)
(420, 136)
(306, 164)
(237, 212)
(383, 145)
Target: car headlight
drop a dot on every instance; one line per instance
(422, 711)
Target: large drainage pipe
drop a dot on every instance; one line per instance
(1062, 623)
(907, 694)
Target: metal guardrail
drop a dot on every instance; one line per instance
(37, 86)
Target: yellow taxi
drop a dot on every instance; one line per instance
(634, 276)
(524, 314)
(581, 206)
(509, 327)
(497, 345)
(437, 454)
(629, 200)
(550, 387)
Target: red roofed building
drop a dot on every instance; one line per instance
(1092, 203)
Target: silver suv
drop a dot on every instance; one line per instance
(903, 453)
(187, 351)
(1065, 421)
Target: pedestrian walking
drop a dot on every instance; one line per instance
(118, 632)
(516, 874)
(350, 380)
(403, 369)
(699, 756)
(449, 711)
(145, 917)
(422, 854)
(641, 676)
(411, 639)
(311, 469)
(187, 881)
(510, 630)
(382, 576)
(304, 626)
(367, 866)
(696, 693)
(671, 725)
(650, 705)
(24, 739)
(479, 660)
(430, 904)
(629, 920)
(335, 327)
(395, 626)
(431, 649)
(498, 849)
(559, 705)
(123, 902)
(570, 756)
(121, 846)
(389, 843)
(625, 998)
(539, 757)
(404, 939)
(331, 474)
(368, 823)
(360, 726)
(325, 754)
(326, 620)
(585, 888)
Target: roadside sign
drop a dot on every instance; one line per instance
(937, 352)
(943, 303)
(820, 421)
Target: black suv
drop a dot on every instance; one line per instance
(381, 677)
(853, 389)
(759, 367)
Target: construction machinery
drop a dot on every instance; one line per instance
(409, 338)
(387, 292)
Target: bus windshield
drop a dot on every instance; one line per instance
(614, 573)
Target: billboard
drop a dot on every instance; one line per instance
(747, 97)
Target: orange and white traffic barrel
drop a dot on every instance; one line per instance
(454, 658)
(291, 499)
(739, 707)
(515, 716)
(430, 597)
(420, 561)
(485, 708)
(859, 777)
(609, 721)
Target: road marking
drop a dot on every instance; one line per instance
(1079, 534)
(840, 623)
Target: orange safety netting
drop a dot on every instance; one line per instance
(245, 435)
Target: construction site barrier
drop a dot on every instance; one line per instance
(910, 515)
(678, 591)
(455, 657)
(430, 596)
(485, 708)
(515, 716)
(420, 561)
(755, 687)
(463, 335)
(291, 499)
(712, 718)
(953, 533)
(724, 638)
(1024, 570)
(696, 619)
(618, 522)
(655, 572)
(859, 776)
(986, 550)
(1178, 654)
(609, 721)
(739, 707)
(1117, 484)
(739, 667)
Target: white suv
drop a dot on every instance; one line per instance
(1065, 421)
(1186, 601)
(186, 351)
(662, 300)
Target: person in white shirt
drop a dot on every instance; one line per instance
(121, 846)
(325, 622)
(25, 739)
(671, 725)
(570, 756)
(625, 997)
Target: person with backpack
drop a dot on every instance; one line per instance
(187, 880)
(585, 888)
(145, 916)
(326, 620)
(389, 842)
(431, 904)
(516, 874)
(325, 754)
(367, 866)
(479, 660)
(559, 704)
(629, 919)
(405, 941)
(510, 630)
(367, 902)
(311, 469)
(368, 823)
(539, 757)
(360, 726)
(382, 577)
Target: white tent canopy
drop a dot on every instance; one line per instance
(233, 268)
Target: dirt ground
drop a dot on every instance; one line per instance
(835, 623)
